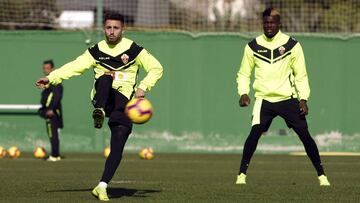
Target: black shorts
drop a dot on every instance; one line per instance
(289, 110)
(115, 109)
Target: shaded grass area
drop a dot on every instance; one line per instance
(180, 178)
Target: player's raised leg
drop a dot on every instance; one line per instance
(102, 88)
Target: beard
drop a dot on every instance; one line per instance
(112, 39)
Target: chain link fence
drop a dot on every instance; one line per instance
(301, 16)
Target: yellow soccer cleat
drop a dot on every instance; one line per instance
(241, 179)
(53, 158)
(100, 193)
(323, 181)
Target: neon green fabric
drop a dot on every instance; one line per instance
(280, 73)
(124, 79)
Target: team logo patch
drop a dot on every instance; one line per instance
(124, 58)
(282, 50)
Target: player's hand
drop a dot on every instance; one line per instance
(140, 93)
(304, 110)
(42, 83)
(50, 113)
(244, 100)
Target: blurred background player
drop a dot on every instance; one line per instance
(115, 61)
(51, 111)
(281, 89)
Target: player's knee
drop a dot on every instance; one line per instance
(303, 133)
(258, 129)
(118, 118)
(120, 132)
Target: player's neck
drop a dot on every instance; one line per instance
(272, 38)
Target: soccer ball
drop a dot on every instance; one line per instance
(39, 152)
(2, 152)
(146, 153)
(13, 152)
(139, 110)
(106, 152)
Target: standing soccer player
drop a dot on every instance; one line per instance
(115, 61)
(51, 111)
(281, 89)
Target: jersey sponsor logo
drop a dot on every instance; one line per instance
(119, 75)
(282, 50)
(124, 58)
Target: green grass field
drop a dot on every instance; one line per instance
(179, 178)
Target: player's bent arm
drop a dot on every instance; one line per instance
(153, 68)
(42, 82)
(73, 68)
(244, 73)
(301, 77)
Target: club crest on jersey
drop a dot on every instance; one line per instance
(282, 50)
(124, 58)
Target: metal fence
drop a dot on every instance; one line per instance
(303, 16)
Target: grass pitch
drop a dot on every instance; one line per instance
(180, 178)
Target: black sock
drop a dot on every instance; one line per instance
(311, 149)
(119, 136)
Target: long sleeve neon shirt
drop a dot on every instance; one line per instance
(124, 78)
(279, 66)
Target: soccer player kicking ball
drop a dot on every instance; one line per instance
(115, 62)
(281, 89)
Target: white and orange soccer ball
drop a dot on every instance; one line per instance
(2, 152)
(106, 152)
(39, 152)
(146, 153)
(139, 110)
(13, 152)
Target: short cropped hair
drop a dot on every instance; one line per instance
(271, 12)
(51, 62)
(113, 16)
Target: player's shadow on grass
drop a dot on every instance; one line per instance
(129, 192)
(116, 192)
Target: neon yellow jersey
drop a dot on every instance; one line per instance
(123, 60)
(279, 66)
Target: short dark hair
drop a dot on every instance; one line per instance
(51, 62)
(113, 16)
(271, 12)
